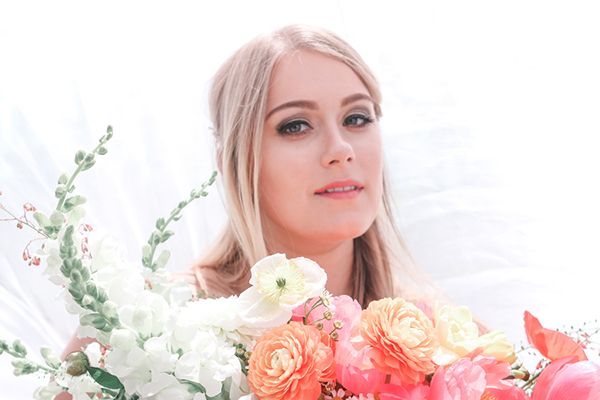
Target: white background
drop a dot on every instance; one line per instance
(491, 119)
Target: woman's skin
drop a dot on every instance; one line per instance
(321, 132)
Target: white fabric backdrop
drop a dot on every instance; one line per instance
(490, 124)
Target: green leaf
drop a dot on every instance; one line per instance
(57, 218)
(79, 157)
(162, 259)
(166, 235)
(41, 219)
(93, 319)
(104, 378)
(88, 165)
(73, 202)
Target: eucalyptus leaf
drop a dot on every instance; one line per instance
(104, 378)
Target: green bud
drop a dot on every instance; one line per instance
(41, 219)
(62, 179)
(109, 309)
(57, 218)
(60, 191)
(79, 157)
(160, 223)
(102, 150)
(77, 363)
(162, 259)
(23, 367)
(48, 355)
(75, 276)
(87, 300)
(88, 165)
(109, 132)
(19, 348)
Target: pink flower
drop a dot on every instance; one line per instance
(463, 380)
(568, 378)
(552, 344)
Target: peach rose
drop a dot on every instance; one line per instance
(400, 339)
(289, 362)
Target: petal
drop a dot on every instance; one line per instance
(553, 345)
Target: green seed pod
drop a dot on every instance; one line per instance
(77, 363)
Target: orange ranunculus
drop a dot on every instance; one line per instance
(400, 339)
(289, 362)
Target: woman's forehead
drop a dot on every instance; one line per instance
(313, 76)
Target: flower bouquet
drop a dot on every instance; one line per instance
(284, 337)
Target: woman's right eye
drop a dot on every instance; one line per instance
(294, 127)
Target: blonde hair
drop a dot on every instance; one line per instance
(237, 104)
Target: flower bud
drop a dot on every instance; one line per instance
(49, 357)
(87, 300)
(77, 363)
(327, 315)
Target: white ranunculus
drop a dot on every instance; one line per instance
(278, 286)
(456, 332)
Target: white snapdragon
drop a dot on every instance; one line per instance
(146, 314)
(209, 362)
(105, 249)
(278, 286)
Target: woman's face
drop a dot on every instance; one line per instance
(320, 178)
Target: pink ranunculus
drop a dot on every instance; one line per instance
(506, 393)
(463, 380)
(359, 381)
(398, 392)
(568, 378)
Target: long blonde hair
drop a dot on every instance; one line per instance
(237, 104)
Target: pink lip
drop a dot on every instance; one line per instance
(340, 184)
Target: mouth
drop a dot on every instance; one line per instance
(340, 187)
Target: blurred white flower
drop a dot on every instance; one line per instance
(47, 392)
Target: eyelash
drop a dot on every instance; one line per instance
(284, 128)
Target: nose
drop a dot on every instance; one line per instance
(336, 147)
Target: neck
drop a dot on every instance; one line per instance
(335, 258)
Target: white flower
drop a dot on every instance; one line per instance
(456, 332)
(164, 387)
(210, 362)
(278, 286)
(147, 313)
(105, 250)
(47, 392)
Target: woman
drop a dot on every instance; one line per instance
(296, 123)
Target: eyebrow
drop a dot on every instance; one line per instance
(311, 105)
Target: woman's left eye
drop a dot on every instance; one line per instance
(357, 120)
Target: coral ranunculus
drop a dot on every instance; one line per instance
(288, 362)
(400, 339)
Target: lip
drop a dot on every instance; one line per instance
(340, 184)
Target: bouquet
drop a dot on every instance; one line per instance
(284, 337)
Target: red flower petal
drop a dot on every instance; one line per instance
(552, 344)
